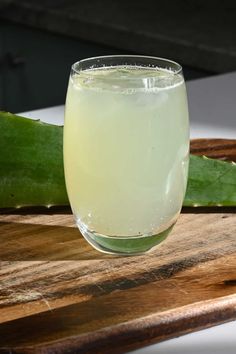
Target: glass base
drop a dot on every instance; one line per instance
(127, 246)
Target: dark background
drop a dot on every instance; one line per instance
(40, 40)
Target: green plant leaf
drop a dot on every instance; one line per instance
(31, 163)
(211, 182)
(32, 174)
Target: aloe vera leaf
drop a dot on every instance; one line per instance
(31, 169)
(31, 163)
(210, 182)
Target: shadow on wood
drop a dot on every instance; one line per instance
(38, 242)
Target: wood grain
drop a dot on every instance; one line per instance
(56, 292)
(58, 295)
(223, 149)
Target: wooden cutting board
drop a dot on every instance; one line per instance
(58, 295)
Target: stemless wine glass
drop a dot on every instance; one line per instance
(126, 150)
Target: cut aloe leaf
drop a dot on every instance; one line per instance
(210, 182)
(32, 174)
(31, 163)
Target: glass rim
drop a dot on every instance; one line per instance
(176, 71)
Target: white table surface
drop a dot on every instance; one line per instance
(212, 108)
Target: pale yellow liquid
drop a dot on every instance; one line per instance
(126, 143)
